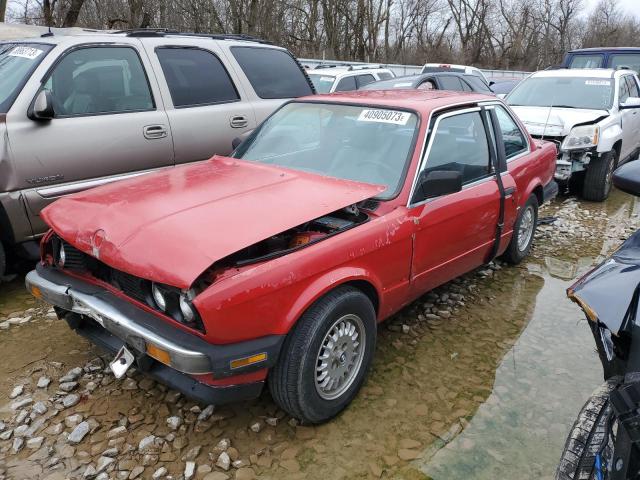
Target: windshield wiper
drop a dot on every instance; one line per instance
(562, 106)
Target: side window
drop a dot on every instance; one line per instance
(385, 75)
(460, 144)
(195, 77)
(513, 138)
(346, 84)
(465, 86)
(450, 83)
(362, 80)
(633, 86)
(623, 90)
(272, 73)
(586, 61)
(99, 80)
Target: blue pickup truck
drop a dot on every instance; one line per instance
(605, 57)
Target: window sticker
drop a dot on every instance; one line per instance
(402, 84)
(326, 79)
(25, 52)
(384, 116)
(599, 83)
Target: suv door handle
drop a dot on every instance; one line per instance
(154, 131)
(238, 121)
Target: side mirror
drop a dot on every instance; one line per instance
(434, 183)
(632, 102)
(492, 83)
(42, 107)
(235, 143)
(627, 178)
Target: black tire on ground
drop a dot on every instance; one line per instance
(3, 261)
(598, 177)
(292, 381)
(515, 252)
(586, 436)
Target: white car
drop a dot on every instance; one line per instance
(593, 117)
(447, 67)
(337, 78)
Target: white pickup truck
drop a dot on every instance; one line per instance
(593, 116)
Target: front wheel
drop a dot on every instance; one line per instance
(326, 356)
(598, 178)
(523, 232)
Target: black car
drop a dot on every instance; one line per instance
(459, 82)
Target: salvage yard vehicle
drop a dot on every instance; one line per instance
(338, 78)
(457, 82)
(592, 117)
(81, 110)
(277, 263)
(603, 57)
(446, 67)
(604, 443)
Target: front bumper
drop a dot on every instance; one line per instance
(111, 322)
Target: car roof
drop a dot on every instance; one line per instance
(449, 65)
(414, 80)
(335, 71)
(422, 101)
(579, 72)
(605, 49)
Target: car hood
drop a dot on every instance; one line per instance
(554, 121)
(171, 225)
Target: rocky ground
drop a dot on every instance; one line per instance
(63, 414)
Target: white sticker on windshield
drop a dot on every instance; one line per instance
(599, 83)
(402, 84)
(384, 116)
(25, 52)
(326, 79)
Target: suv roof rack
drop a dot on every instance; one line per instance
(164, 32)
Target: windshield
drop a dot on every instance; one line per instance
(568, 92)
(17, 62)
(359, 143)
(322, 83)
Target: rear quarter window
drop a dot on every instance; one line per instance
(586, 61)
(272, 73)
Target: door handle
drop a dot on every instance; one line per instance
(151, 132)
(238, 121)
(509, 191)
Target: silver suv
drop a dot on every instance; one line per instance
(81, 110)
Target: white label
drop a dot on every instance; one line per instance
(384, 116)
(25, 52)
(598, 83)
(326, 79)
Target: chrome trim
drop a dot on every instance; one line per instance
(69, 188)
(115, 322)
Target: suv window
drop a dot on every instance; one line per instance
(477, 83)
(385, 75)
(450, 83)
(633, 86)
(195, 77)
(623, 91)
(272, 73)
(362, 80)
(630, 60)
(346, 84)
(460, 144)
(513, 138)
(586, 61)
(96, 80)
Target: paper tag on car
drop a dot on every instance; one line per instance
(25, 52)
(384, 116)
(598, 83)
(326, 79)
(402, 84)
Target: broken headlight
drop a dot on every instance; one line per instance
(159, 298)
(186, 308)
(175, 303)
(584, 136)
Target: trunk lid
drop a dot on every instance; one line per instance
(170, 226)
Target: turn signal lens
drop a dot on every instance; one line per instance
(35, 291)
(159, 354)
(243, 362)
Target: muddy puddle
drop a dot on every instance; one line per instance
(480, 379)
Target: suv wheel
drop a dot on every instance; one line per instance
(326, 357)
(598, 177)
(3, 261)
(523, 232)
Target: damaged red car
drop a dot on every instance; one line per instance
(276, 264)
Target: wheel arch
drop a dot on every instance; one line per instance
(618, 148)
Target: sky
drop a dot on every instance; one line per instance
(632, 7)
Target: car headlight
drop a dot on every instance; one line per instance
(159, 297)
(584, 136)
(186, 308)
(62, 255)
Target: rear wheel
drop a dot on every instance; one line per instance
(326, 357)
(587, 436)
(599, 177)
(523, 232)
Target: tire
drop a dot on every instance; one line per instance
(517, 250)
(3, 261)
(586, 436)
(293, 382)
(598, 177)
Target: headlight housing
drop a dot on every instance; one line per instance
(186, 308)
(62, 255)
(159, 297)
(177, 304)
(584, 136)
